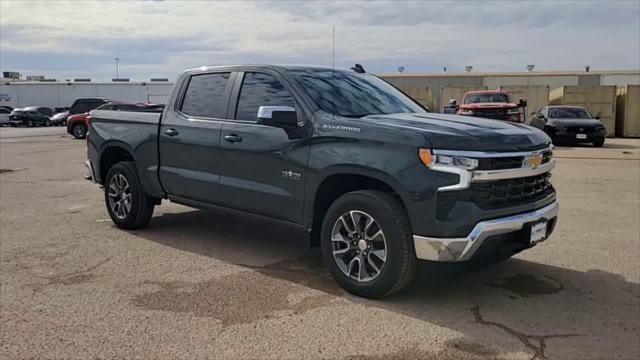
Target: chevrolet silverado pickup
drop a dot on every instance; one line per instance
(363, 170)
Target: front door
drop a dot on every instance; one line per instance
(264, 167)
(189, 139)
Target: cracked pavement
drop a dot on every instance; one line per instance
(204, 285)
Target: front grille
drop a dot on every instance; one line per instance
(513, 162)
(499, 114)
(581, 129)
(490, 195)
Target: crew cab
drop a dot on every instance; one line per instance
(370, 176)
(491, 104)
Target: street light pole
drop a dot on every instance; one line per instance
(117, 72)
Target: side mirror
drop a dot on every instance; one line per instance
(278, 116)
(522, 102)
(452, 101)
(597, 117)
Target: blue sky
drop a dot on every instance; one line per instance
(70, 39)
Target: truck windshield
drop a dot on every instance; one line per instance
(486, 98)
(568, 113)
(349, 94)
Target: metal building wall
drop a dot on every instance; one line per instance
(63, 94)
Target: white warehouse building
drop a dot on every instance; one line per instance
(62, 94)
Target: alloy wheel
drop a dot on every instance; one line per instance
(359, 246)
(119, 196)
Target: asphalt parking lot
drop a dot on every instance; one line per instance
(202, 285)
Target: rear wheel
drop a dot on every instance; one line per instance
(30, 123)
(79, 131)
(47, 123)
(128, 205)
(367, 243)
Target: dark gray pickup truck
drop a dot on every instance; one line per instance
(362, 169)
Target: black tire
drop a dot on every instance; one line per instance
(387, 211)
(30, 123)
(47, 123)
(141, 208)
(64, 123)
(599, 143)
(79, 131)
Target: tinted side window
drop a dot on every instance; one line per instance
(206, 95)
(258, 90)
(85, 106)
(4, 111)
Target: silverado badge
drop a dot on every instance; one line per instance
(290, 175)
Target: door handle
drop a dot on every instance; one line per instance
(233, 138)
(171, 132)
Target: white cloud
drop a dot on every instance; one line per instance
(73, 38)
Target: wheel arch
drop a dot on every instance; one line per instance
(338, 181)
(111, 154)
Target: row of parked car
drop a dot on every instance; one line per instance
(74, 117)
(563, 123)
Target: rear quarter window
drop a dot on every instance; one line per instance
(206, 95)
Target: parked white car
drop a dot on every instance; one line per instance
(4, 117)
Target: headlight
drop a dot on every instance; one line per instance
(465, 112)
(513, 111)
(460, 162)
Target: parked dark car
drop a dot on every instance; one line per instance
(45, 111)
(570, 124)
(83, 105)
(6, 107)
(4, 116)
(77, 123)
(342, 156)
(60, 119)
(29, 116)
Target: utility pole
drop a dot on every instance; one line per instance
(117, 70)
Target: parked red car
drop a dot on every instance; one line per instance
(77, 124)
(492, 104)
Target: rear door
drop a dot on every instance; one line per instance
(264, 167)
(189, 138)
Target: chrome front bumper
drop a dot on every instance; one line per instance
(462, 249)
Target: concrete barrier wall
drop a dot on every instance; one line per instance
(628, 111)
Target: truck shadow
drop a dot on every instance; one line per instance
(528, 302)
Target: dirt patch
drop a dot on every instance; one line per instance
(472, 348)
(7, 171)
(243, 297)
(527, 285)
(307, 270)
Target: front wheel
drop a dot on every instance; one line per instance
(128, 205)
(30, 123)
(79, 131)
(47, 123)
(367, 243)
(599, 143)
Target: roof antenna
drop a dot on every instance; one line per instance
(358, 68)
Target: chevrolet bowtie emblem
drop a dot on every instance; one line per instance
(532, 161)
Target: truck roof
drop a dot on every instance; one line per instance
(268, 66)
(485, 92)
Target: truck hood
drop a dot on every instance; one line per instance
(488, 106)
(453, 132)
